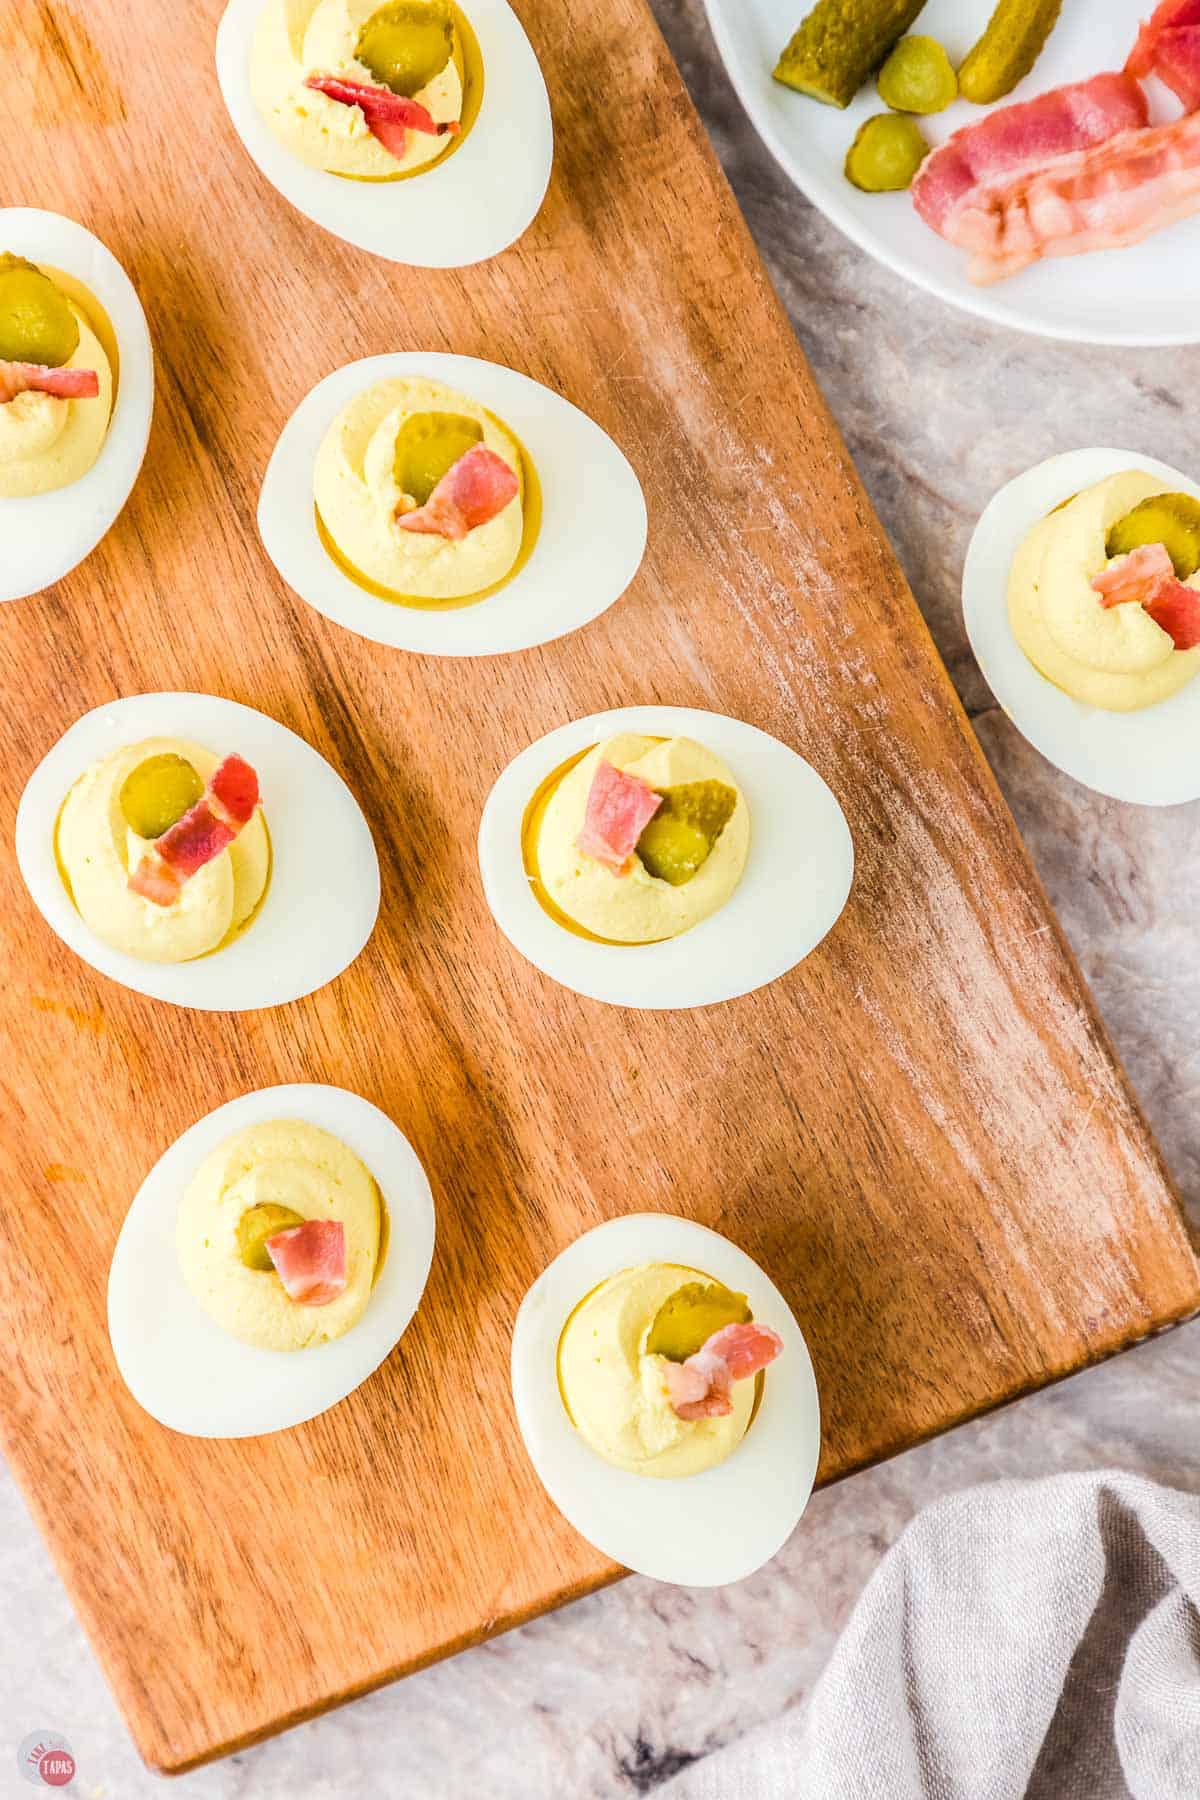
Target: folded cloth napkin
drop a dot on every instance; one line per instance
(1028, 1640)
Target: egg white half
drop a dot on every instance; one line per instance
(467, 208)
(589, 547)
(796, 882)
(178, 1363)
(323, 898)
(703, 1530)
(45, 537)
(1148, 757)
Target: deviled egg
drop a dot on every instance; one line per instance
(1081, 597)
(448, 506)
(663, 857)
(666, 1398)
(198, 852)
(270, 1261)
(416, 129)
(76, 395)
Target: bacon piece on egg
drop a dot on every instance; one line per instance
(619, 808)
(471, 492)
(701, 1387)
(64, 384)
(226, 805)
(390, 117)
(310, 1260)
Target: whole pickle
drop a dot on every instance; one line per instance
(840, 44)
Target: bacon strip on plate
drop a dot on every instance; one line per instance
(700, 1388)
(225, 807)
(1146, 577)
(310, 1260)
(1168, 45)
(471, 492)
(65, 384)
(1018, 140)
(390, 117)
(619, 808)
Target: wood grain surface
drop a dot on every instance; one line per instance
(922, 1133)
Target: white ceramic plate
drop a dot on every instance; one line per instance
(469, 207)
(702, 1530)
(796, 882)
(44, 538)
(1112, 297)
(1150, 757)
(178, 1363)
(592, 537)
(323, 898)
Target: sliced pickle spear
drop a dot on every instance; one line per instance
(886, 154)
(427, 445)
(917, 77)
(1014, 39)
(407, 44)
(36, 321)
(1172, 520)
(157, 793)
(256, 1225)
(684, 1323)
(681, 835)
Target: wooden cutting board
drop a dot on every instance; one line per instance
(922, 1132)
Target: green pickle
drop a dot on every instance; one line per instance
(840, 44)
(256, 1225)
(886, 154)
(1014, 39)
(36, 321)
(157, 793)
(407, 44)
(1172, 520)
(684, 1323)
(680, 837)
(918, 77)
(429, 444)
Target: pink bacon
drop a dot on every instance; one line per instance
(389, 117)
(1146, 577)
(619, 808)
(310, 1260)
(472, 492)
(701, 1387)
(1168, 45)
(225, 807)
(35, 378)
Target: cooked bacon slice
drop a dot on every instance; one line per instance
(1134, 577)
(471, 492)
(700, 1388)
(65, 384)
(1146, 577)
(1014, 141)
(1103, 199)
(619, 808)
(390, 117)
(226, 805)
(310, 1260)
(1168, 45)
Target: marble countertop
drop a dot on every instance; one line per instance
(621, 1692)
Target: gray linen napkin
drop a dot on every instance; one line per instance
(1028, 1640)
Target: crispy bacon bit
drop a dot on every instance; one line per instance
(389, 117)
(471, 492)
(226, 805)
(1168, 45)
(1146, 577)
(700, 1388)
(65, 384)
(310, 1260)
(619, 808)
(1022, 139)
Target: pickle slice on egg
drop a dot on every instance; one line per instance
(156, 794)
(684, 1323)
(36, 321)
(680, 837)
(256, 1225)
(427, 446)
(407, 44)
(1172, 520)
